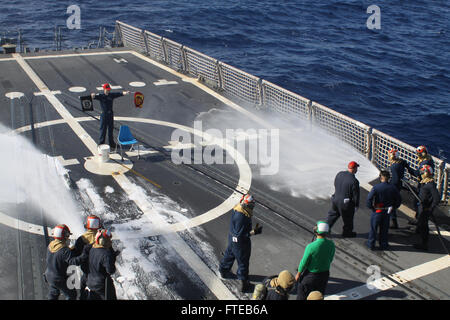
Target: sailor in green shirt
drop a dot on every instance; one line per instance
(313, 270)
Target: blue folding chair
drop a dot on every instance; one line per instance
(125, 139)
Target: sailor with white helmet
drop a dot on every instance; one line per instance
(59, 257)
(314, 268)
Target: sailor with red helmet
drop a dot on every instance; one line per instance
(59, 257)
(423, 158)
(397, 169)
(345, 200)
(87, 239)
(107, 116)
(429, 199)
(382, 200)
(239, 243)
(102, 259)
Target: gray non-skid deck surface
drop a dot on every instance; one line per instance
(287, 221)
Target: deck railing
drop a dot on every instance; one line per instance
(244, 87)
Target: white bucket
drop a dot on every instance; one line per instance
(103, 152)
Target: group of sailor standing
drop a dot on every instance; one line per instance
(94, 253)
(384, 199)
(313, 271)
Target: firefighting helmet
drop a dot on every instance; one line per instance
(321, 227)
(92, 223)
(426, 168)
(283, 283)
(61, 232)
(247, 200)
(102, 236)
(285, 280)
(421, 149)
(315, 295)
(393, 153)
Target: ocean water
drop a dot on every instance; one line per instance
(395, 79)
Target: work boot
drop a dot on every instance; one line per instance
(394, 224)
(244, 285)
(421, 246)
(349, 235)
(225, 274)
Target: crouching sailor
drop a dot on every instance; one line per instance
(239, 243)
(275, 287)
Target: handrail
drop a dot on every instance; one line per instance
(248, 88)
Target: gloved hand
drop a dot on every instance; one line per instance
(256, 230)
(86, 250)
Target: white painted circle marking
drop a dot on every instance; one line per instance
(77, 89)
(137, 84)
(13, 95)
(94, 165)
(244, 183)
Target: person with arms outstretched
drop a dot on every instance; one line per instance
(107, 116)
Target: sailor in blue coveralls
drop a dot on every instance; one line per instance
(423, 158)
(429, 200)
(102, 260)
(59, 257)
(107, 116)
(345, 200)
(382, 199)
(397, 169)
(239, 244)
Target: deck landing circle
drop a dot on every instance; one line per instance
(244, 183)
